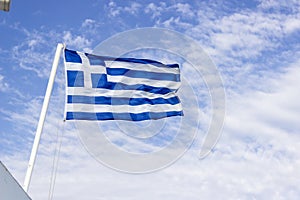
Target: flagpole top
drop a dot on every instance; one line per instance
(61, 45)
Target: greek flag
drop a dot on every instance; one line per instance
(106, 88)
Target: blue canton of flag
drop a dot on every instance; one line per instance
(106, 88)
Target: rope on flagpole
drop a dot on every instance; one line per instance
(56, 160)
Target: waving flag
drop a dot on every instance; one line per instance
(106, 88)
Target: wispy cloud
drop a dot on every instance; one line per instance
(155, 10)
(77, 41)
(115, 10)
(289, 6)
(28, 53)
(184, 9)
(3, 85)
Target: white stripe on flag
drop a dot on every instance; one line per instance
(141, 67)
(154, 83)
(116, 93)
(123, 108)
(93, 69)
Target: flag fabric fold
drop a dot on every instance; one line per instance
(107, 88)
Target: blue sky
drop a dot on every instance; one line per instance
(255, 46)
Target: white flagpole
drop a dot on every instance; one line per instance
(42, 117)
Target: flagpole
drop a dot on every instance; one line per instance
(42, 117)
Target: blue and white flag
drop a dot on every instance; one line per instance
(106, 88)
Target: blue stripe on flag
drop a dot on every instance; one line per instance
(143, 74)
(92, 58)
(95, 60)
(121, 116)
(145, 61)
(120, 100)
(72, 56)
(75, 79)
(100, 81)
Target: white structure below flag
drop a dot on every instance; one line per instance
(9, 187)
(106, 88)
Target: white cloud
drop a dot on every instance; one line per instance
(114, 10)
(30, 54)
(133, 8)
(246, 35)
(258, 148)
(292, 24)
(3, 85)
(267, 118)
(36, 51)
(184, 9)
(155, 10)
(234, 36)
(88, 23)
(26, 116)
(76, 41)
(176, 22)
(292, 6)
